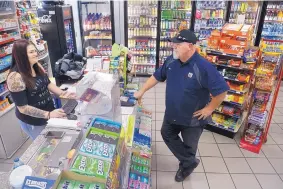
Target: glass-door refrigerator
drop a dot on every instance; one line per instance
(97, 27)
(57, 28)
(210, 15)
(141, 34)
(246, 12)
(175, 16)
(273, 21)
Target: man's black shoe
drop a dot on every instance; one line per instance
(179, 175)
(183, 173)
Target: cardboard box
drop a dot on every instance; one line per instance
(77, 177)
(238, 32)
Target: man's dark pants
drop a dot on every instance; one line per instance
(185, 151)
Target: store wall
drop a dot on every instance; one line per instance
(74, 4)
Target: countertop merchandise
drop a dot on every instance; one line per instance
(110, 162)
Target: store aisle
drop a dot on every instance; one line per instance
(223, 164)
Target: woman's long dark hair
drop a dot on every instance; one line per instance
(20, 61)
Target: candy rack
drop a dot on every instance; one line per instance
(30, 30)
(9, 32)
(267, 85)
(236, 62)
(232, 113)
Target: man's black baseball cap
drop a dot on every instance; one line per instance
(185, 36)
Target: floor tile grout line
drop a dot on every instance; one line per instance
(253, 172)
(272, 165)
(225, 161)
(204, 172)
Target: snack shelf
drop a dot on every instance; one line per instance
(264, 100)
(278, 21)
(7, 67)
(6, 13)
(234, 103)
(2, 42)
(239, 92)
(3, 55)
(227, 131)
(7, 110)
(230, 129)
(4, 92)
(234, 116)
(219, 53)
(236, 80)
(233, 67)
(10, 28)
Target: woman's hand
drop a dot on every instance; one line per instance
(58, 113)
(69, 95)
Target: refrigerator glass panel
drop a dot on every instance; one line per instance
(175, 16)
(69, 36)
(210, 15)
(273, 21)
(142, 32)
(248, 9)
(97, 31)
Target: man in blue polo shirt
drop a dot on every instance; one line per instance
(190, 80)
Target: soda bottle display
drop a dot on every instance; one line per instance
(142, 32)
(175, 16)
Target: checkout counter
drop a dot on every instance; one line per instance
(47, 156)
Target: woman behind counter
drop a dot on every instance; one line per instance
(30, 89)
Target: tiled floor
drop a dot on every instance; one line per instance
(6, 164)
(223, 164)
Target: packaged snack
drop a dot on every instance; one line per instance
(103, 149)
(36, 182)
(96, 186)
(141, 160)
(144, 183)
(87, 146)
(99, 135)
(82, 165)
(66, 184)
(100, 168)
(95, 135)
(81, 185)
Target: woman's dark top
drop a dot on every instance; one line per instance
(38, 97)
